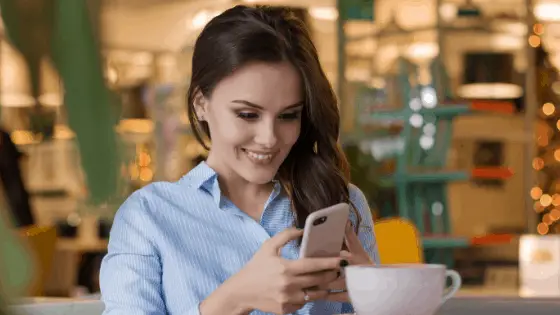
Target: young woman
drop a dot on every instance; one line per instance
(224, 238)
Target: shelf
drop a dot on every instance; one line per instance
(428, 177)
(438, 242)
(444, 111)
(445, 241)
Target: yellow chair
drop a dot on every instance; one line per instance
(41, 241)
(398, 241)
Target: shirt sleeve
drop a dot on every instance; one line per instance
(131, 273)
(366, 233)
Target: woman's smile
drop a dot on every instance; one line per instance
(259, 157)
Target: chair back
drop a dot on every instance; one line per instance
(41, 241)
(398, 241)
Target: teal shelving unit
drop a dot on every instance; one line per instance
(420, 177)
(415, 127)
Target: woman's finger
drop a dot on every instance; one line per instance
(338, 297)
(318, 279)
(346, 255)
(354, 245)
(307, 295)
(338, 284)
(311, 265)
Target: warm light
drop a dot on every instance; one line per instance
(133, 171)
(554, 214)
(538, 207)
(63, 132)
(144, 159)
(542, 141)
(22, 137)
(52, 90)
(146, 174)
(538, 163)
(556, 85)
(546, 219)
(490, 91)
(536, 193)
(542, 228)
(557, 155)
(15, 90)
(448, 11)
(419, 52)
(324, 13)
(202, 17)
(554, 59)
(111, 75)
(547, 11)
(50, 99)
(556, 200)
(548, 109)
(135, 126)
(546, 200)
(538, 29)
(534, 41)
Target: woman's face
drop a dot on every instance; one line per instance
(254, 117)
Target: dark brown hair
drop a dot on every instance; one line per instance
(315, 173)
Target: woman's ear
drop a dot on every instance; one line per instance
(200, 105)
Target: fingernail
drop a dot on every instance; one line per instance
(343, 263)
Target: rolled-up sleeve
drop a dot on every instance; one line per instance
(130, 276)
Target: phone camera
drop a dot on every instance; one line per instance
(320, 221)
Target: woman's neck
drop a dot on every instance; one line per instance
(240, 191)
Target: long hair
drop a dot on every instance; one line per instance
(315, 174)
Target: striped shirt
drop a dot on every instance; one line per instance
(173, 244)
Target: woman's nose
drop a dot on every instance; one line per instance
(266, 135)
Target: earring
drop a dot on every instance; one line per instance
(315, 149)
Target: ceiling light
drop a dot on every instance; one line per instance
(202, 17)
(547, 11)
(324, 13)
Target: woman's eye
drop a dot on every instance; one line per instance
(247, 115)
(290, 116)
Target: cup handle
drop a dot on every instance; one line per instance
(455, 284)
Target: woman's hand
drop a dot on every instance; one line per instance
(356, 255)
(272, 284)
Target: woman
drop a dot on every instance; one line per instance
(222, 239)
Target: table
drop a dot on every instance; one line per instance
(491, 305)
(57, 306)
(495, 301)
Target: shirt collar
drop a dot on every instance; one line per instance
(204, 177)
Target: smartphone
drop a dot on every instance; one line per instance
(323, 233)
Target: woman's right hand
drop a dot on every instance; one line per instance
(272, 284)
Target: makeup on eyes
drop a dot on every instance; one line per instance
(291, 115)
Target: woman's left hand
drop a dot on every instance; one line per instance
(356, 255)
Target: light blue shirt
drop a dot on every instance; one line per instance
(173, 244)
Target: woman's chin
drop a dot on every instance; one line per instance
(259, 177)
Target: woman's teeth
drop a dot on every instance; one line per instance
(258, 157)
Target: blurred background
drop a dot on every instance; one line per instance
(450, 120)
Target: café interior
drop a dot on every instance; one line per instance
(448, 119)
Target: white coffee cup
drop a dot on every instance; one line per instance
(399, 289)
